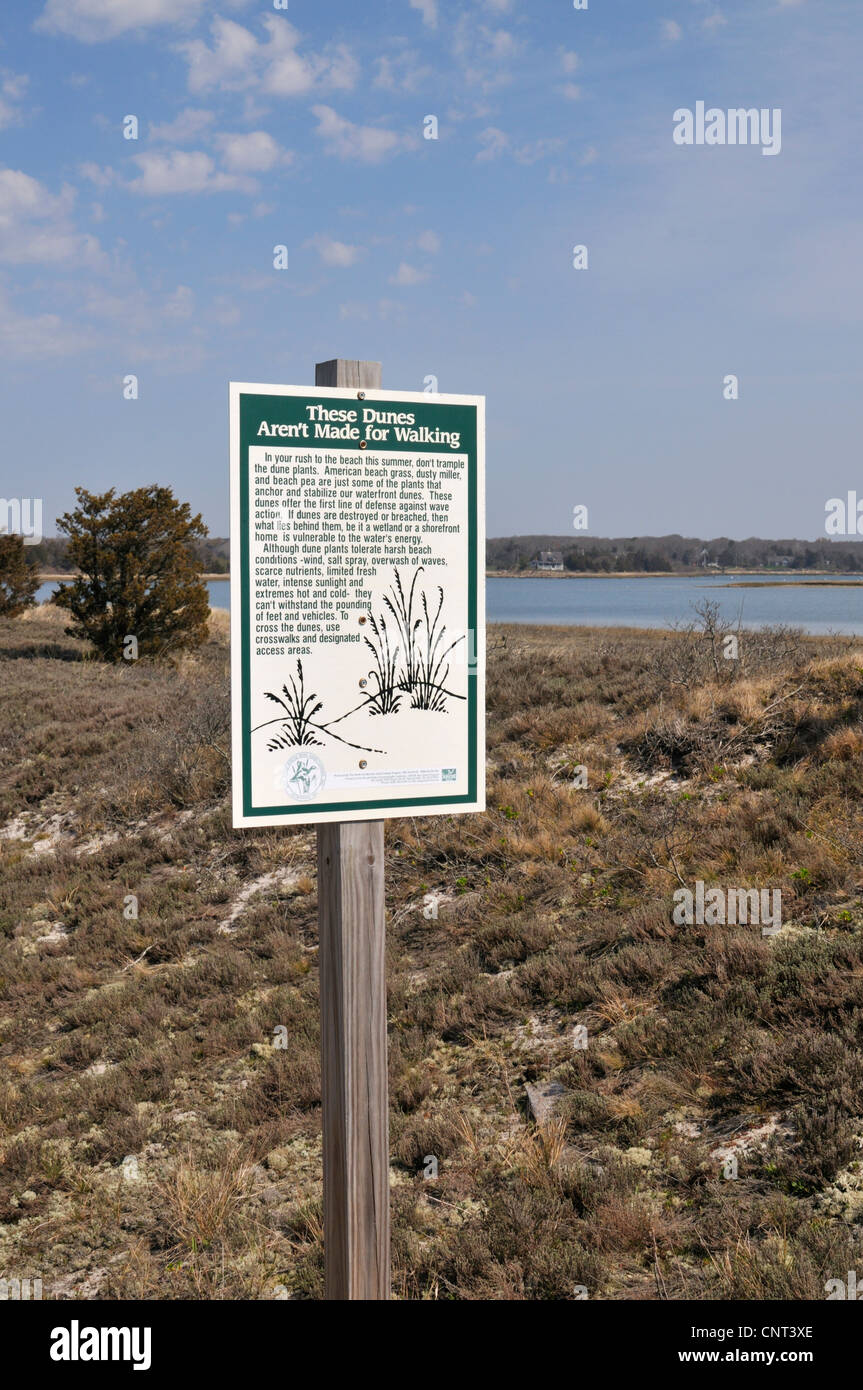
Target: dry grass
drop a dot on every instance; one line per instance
(203, 1204)
(152, 1036)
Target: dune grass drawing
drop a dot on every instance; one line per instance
(402, 608)
(298, 724)
(423, 669)
(299, 709)
(410, 661)
(430, 671)
(386, 698)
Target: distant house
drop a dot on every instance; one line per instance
(705, 561)
(548, 560)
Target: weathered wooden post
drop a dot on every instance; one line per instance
(351, 932)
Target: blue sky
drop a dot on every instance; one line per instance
(448, 257)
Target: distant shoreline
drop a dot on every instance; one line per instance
(733, 575)
(737, 578)
(45, 578)
(796, 584)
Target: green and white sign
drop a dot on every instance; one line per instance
(357, 604)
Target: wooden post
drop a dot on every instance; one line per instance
(354, 1024)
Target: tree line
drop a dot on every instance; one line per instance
(675, 553)
(52, 555)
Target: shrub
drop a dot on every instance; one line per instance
(18, 580)
(139, 574)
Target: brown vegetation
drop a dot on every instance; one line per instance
(155, 1143)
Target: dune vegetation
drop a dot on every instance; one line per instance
(160, 1080)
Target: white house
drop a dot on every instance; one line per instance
(548, 560)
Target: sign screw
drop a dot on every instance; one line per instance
(363, 683)
(363, 762)
(362, 443)
(361, 395)
(362, 620)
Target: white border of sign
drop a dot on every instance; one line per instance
(310, 816)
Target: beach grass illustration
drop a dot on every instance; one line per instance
(422, 642)
(430, 667)
(298, 725)
(299, 711)
(401, 606)
(386, 697)
(411, 647)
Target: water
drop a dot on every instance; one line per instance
(661, 600)
(657, 601)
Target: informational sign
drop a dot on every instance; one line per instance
(357, 604)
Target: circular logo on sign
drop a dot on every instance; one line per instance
(302, 776)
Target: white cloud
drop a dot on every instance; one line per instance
(340, 69)
(190, 124)
(224, 311)
(93, 21)
(569, 61)
(12, 89)
(100, 175)
(36, 226)
(236, 60)
(428, 10)
(483, 53)
(353, 310)
(502, 45)
(36, 335)
(180, 304)
(391, 310)
(228, 63)
(288, 73)
(429, 242)
(534, 150)
(671, 30)
(336, 253)
(253, 153)
(571, 91)
(183, 171)
(370, 144)
(13, 85)
(714, 21)
(408, 275)
(496, 143)
(134, 324)
(402, 73)
(493, 142)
